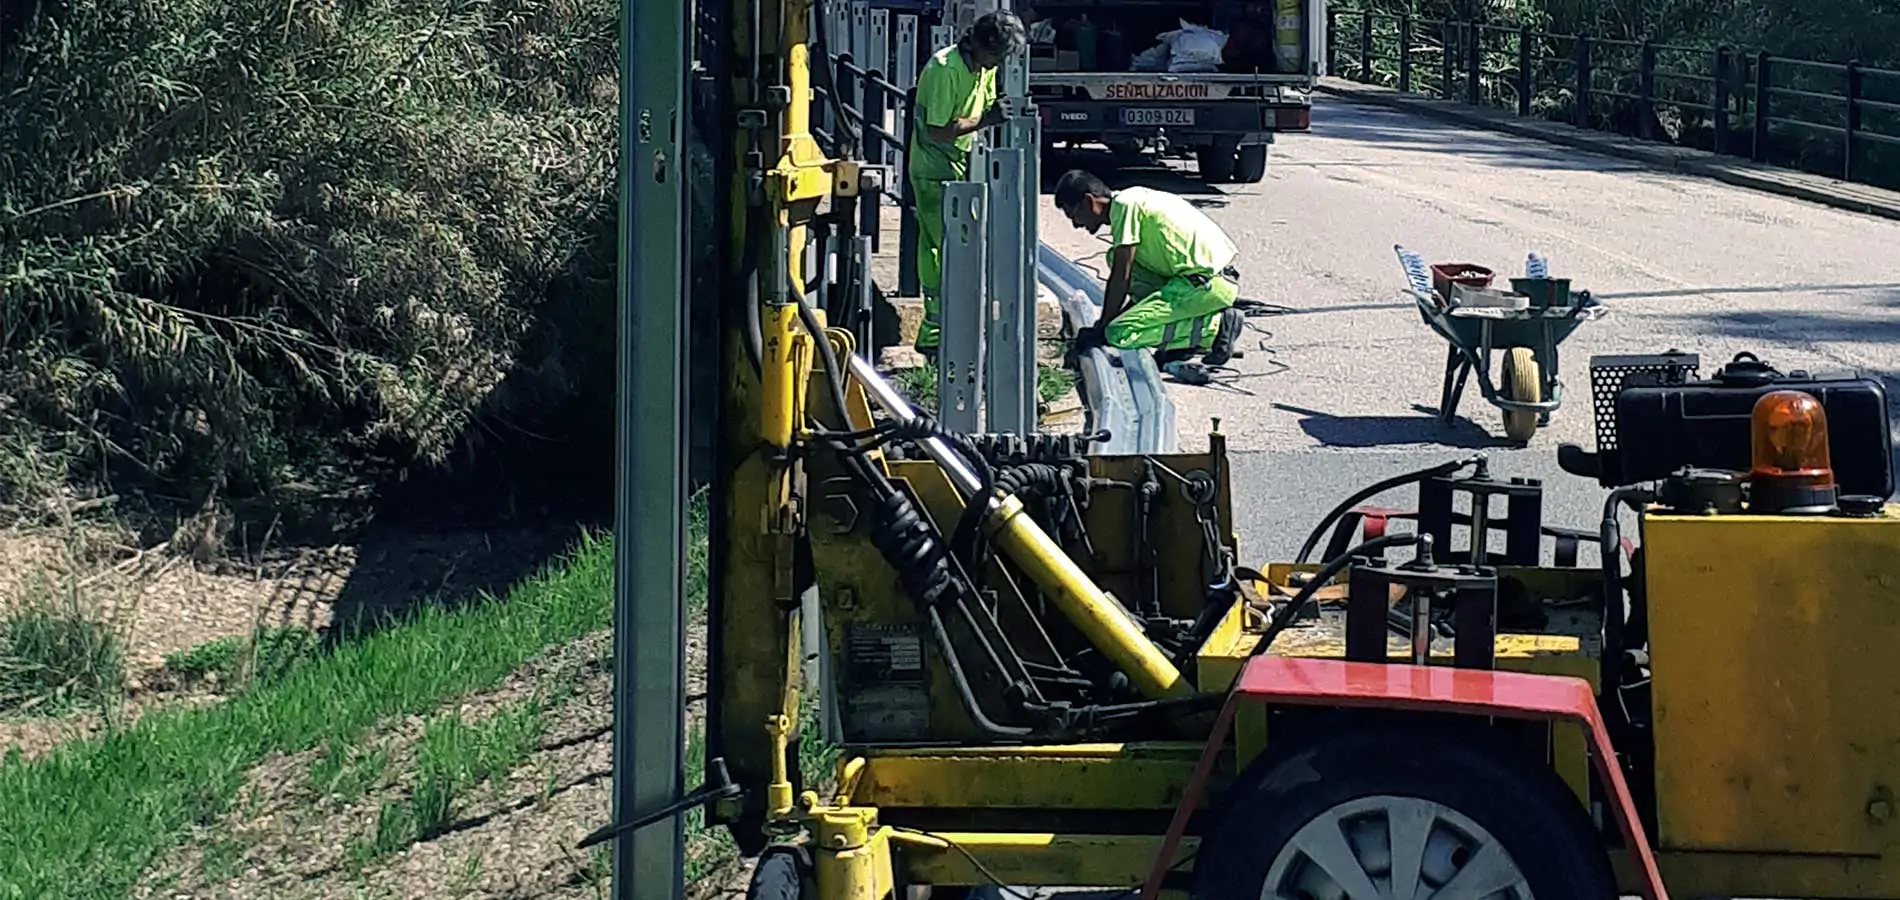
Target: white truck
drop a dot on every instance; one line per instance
(1211, 79)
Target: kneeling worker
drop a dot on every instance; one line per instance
(1175, 264)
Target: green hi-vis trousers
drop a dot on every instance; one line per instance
(1172, 314)
(929, 196)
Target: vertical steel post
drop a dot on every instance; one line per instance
(1008, 405)
(963, 307)
(649, 489)
(877, 61)
(1010, 395)
(861, 31)
(905, 65)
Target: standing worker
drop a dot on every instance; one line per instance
(956, 96)
(1171, 259)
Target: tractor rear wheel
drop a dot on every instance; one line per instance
(1412, 813)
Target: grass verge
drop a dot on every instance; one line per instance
(919, 384)
(88, 818)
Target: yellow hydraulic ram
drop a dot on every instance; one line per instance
(1100, 619)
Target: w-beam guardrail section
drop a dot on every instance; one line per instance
(1840, 119)
(987, 366)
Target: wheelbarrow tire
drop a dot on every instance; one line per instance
(1522, 382)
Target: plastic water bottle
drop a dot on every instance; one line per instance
(1536, 267)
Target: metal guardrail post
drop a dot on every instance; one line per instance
(1365, 46)
(1526, 80)
(962, 306)
(1405, 52)
(877, 61)
(1646, 92)
(871, 197)
(1010, 345)
(1474, 64)
(1849, 143)
(861, 29)
(1724, 62)
(1008, 395)
(1764, 94)
(1585, 108)
(649, 665)
(941, 36)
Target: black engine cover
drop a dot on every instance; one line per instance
(1661, 428)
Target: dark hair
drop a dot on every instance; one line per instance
(1076, 184)
(999, 32)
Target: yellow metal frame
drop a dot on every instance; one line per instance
(1775, 686)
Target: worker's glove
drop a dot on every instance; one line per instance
(1087, 339)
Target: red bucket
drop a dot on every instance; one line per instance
(1444, 275)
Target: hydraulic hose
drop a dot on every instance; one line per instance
(1291, 610)
(826, 79)
(1345, 506)
(1610, 548)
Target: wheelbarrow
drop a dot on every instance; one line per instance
(1526, 324)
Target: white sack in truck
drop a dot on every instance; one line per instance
(1153, 59)
(1195, 49)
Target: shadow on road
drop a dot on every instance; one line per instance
(1394, 131)
(1362, 432)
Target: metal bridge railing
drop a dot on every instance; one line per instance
(1840, 119)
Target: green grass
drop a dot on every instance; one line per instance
(87, 819)
(919, 384)
(346, 772)
(453, 756)
(54, 656)
(233, 662)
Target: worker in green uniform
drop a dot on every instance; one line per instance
(1172, 281)
(956, 97)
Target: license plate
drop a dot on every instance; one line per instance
(1157, 117)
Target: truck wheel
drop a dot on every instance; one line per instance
(1250, 167)
(1216, 161)
(1402, 813)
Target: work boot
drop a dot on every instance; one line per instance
(1222, 350)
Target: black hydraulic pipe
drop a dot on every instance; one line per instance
(1291, 610)
(1359, 496)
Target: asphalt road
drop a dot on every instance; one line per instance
(1343, 391)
